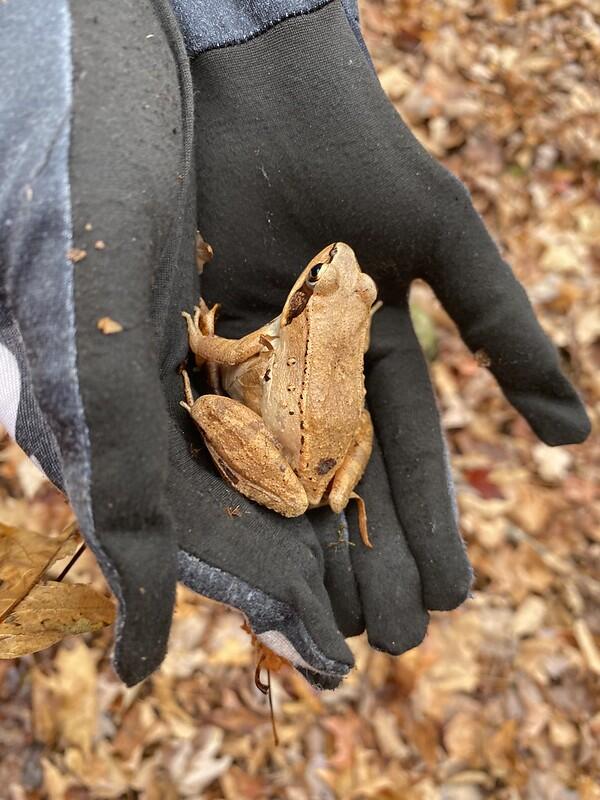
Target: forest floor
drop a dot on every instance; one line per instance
(501, 700)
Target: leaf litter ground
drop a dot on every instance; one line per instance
(501, 700)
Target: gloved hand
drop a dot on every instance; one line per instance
(97, 154)
(297, 146)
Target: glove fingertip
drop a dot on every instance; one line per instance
(320, 681)
(138, 654)
(410, 637)
(566, 422)
(141, 569)
(448, 595)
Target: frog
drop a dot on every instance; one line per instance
(286, 422)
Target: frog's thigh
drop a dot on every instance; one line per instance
(247, 454)
(353, 466)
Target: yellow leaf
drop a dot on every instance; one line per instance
(50, 612)
(25, 556)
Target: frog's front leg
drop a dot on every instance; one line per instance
(204, 320)
(208, 347)
(351, 471)
(245, 452)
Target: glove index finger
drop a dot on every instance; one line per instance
(495, 317)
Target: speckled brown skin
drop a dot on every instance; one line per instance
(298, 389)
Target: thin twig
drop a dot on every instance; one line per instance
(70, 564)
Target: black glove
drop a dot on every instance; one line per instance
(297, 146)
(106, 173)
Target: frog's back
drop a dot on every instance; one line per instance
(314, 397)
(331, 408)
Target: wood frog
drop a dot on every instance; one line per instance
(293, 432)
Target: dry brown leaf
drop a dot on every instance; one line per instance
(50, 612)
(56, 783)
(179, 721)
(510, 107)
(589, 789)
(30, 477)
(552, 463)
(99, 772)
(534, 507)
(345, 731)
(108, 325)
(529, 617)
(204, 253)
(75, 254)
(464, 735)
(587, 645)
(563, 733)
(65, 705)
(25, 556)
(195, 765)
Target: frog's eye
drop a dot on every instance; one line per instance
(313, 275)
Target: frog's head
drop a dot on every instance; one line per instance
(333, 274)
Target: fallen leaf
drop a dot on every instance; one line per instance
(204, 253)
(480, 479)
(195, 765)
(24, 558)
(75, 254)
(345, 731)
(534, 507)
(587, 645)
(464, 736)
(587, 327)
(65, 705)
(108, 325)
(56, 783)
(563, 733)
(101, 774)
(50, 612)
(395, 82)
(425, 330)
(529, 617)
(30, 477)
(589, 789)
(552, 463)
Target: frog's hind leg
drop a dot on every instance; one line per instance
(350, 473)
(247, 454)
